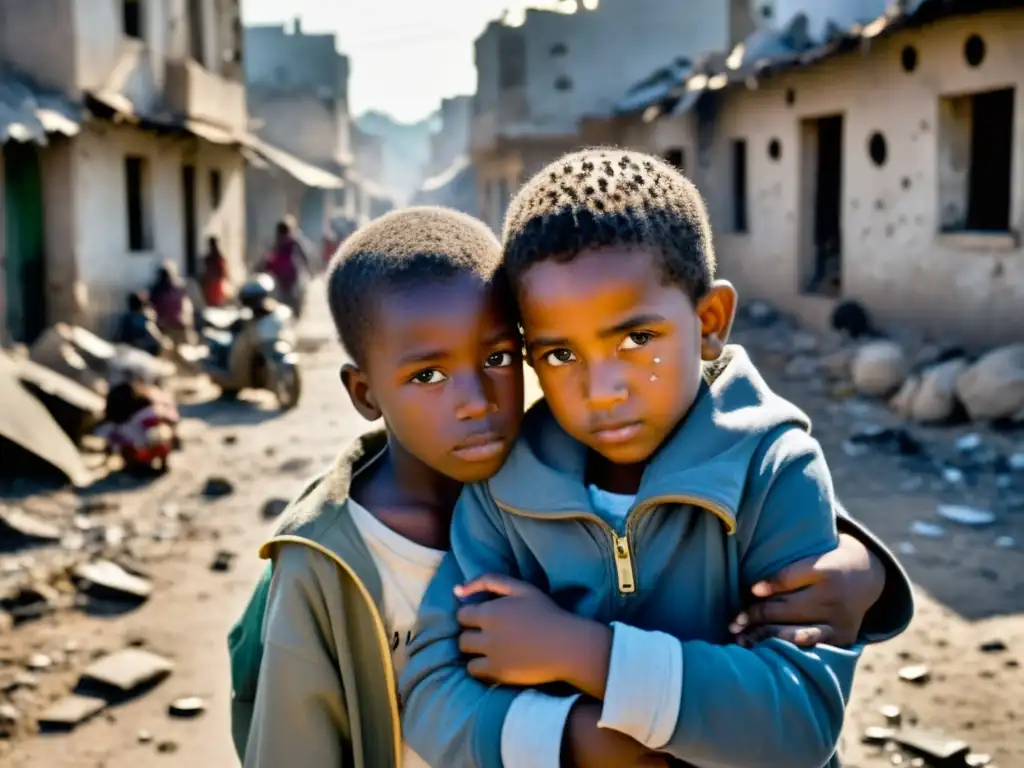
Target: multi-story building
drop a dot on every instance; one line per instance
(538, 80)
(298, 100)
(143, 164)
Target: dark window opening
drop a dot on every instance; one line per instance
(136, 181)
(216, 190)
(790, 97)
(131, 19)
(190, 223)
(908, 58)
(739, 186)
(826, 274)
(676, 157)
(974, 50)
(559, 49)
(511, 59)
(563, 83)
(775, 149)
(878, 149)
(989, 180)
(195, 30)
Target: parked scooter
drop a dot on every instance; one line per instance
(254, 347)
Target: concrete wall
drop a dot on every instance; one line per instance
(104, 263)
(299, 123)
(895, 257)
(579, 64)
(39, 37)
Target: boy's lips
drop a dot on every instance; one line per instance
(613, 434)
(482, 447)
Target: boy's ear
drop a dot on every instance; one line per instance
(359, 391)
(716, 311)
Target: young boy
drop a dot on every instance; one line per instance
(658, 483)
(436, 354)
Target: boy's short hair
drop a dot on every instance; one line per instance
(611, 197)
(398, 250)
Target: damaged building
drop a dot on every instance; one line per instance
(880, 162)
(122, 123)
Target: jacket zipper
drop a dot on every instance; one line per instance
(390, 684)
(622, 549)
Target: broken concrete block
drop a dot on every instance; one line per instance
(931, 745)
(104, 578)
(128, 669)
(916, 673)
(70, 711)
(19, 523)
(188, 706)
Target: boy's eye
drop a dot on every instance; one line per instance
(431, 376)
(636, 340)
(557, 357)
(498, 360)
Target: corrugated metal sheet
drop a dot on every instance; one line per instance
(298, 169)
(31, 113)
(767, 52)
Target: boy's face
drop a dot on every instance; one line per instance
(617, 349)
(443, 367)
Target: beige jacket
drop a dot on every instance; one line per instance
(326, 694)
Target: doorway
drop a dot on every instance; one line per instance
(24, 243)
(188, 201)
(821, 200)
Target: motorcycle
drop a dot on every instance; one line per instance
(254, 346)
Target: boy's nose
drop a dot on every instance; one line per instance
(606, 387)
(473, 402)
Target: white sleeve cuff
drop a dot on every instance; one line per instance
(531, 736)
(645, 685)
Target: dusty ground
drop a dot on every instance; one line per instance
(969, 590)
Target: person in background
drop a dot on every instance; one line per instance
(174, 313)
(139, 328)
(215, 275)
(287, 262)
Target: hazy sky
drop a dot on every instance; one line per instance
(405, 54)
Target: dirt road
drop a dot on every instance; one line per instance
(970, 590)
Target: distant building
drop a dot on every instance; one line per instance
(121, 123)
(538, 81)
(298, 102)
(886, 166)
(451, 177)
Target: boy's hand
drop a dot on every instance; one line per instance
(522, 638)
(820, 599)
(587, 746)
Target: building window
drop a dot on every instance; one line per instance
(559, 49)
(676, 157)
(196, 42)
(216, 189)
(975, 161)
(139, 209)
(739, 186)
(563, 83)
(511, 59)
(131, 18)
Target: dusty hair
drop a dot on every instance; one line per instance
(604, 197)
(403, 248)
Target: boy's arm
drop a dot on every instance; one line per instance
(450, 718)
(771, 706)
(299, 716)
(892, 613)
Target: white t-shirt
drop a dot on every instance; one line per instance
(406, 569)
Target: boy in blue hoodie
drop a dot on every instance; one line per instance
(657, 484)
